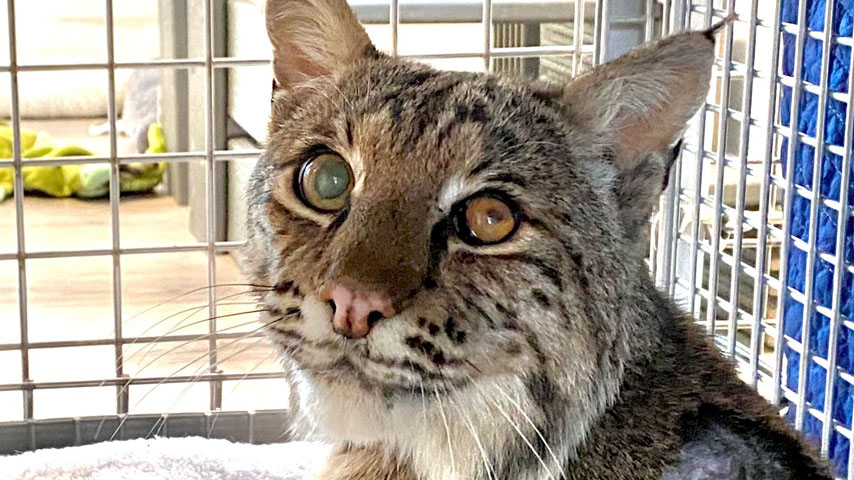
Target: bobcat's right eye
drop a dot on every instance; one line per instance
(324, 182)
(486, 219)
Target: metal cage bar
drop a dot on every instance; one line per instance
(787, 208)
(814, 210)
(121, 397)
(693, 306)
(19, 209)
(712, 305)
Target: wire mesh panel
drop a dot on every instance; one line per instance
(121, 308)
(760, 246)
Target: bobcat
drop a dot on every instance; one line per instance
(460, 290)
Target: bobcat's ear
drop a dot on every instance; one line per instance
(638, 106)
(313, 38)
(642, 100)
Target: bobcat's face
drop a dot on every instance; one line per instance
(439, 236)
(427, 152)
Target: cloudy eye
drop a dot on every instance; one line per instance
(486, 219)
(325, 182)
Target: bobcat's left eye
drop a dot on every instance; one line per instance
(324, 182)
(486, 219)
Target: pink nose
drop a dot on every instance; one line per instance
(355, 311)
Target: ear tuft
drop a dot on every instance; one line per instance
(716, 28)
(313, 38)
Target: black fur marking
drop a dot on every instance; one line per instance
(541, 298)
(422, 322)
(578, 259)
(478, 113)
(481, 167)
(461, 112)
(439, 358)
(438, 245)
(460, 337)
(430, 283)
(433, 329)
(502, 309)
(545, 269)
(481, 312)
(668, 162)
(510, 324)
(415, 79)
(283, 287)
(349, 131)
(450, 327)
(504, 138)
(547, 396)
(413, 342)
(429, 349)
(510, 178)
(395, 107)
(340, 218)
(513, 349)
(421, 345)
(288, 313)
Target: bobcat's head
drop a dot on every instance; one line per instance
(457, 254)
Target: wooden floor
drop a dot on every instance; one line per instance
(72, 299)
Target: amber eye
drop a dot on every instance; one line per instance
(325, 182)
(486, 219)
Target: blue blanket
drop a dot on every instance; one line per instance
(802, 171)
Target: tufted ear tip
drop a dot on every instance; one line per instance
(712, 31)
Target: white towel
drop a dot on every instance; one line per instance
(189, 458)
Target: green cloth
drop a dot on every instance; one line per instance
(84, 181)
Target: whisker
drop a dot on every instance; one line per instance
(177, 327)
(447, 432)
(487, 465)
(537, 430)
(517, 428)
(472, 365)
(185, 366)
(196, 339)
(196, 376)
(152, 345)
(121, 360)
(254, 287)
(237, 383)
(423, 405)
(193, 310)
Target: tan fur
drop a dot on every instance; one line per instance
(366, 463)
(642, 109)
(312, 38)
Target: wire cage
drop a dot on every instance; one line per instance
(753, 235)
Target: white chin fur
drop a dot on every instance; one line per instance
(421, 430)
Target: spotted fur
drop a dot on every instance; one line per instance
(550, 355)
